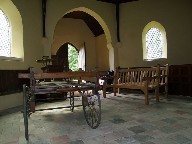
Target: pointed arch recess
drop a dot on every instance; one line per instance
(106, 32)
(98, 18)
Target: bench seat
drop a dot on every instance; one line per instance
(144, 79)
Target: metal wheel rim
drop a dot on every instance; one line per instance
(92, 110)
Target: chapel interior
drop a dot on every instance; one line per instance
(103, 35)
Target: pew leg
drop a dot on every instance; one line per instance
(114, 91)
(157, 94)
(166, 91)
(104, 91)
(146, 97)
(32, 106)
(118, 90)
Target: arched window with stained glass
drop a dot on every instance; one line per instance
(5, 35)
(154, 42)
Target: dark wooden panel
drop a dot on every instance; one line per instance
(9, 81)
(180, 80)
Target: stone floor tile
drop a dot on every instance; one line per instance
(142, 138)
(126, 140)
(148, 142)
(76, 142)
(60, 139)
(163, 141)
(117, 120)
(181, 139)
(137, 129)
(93, 140)
(169, 120)
(167, 129)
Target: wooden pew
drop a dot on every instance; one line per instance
(142, 78)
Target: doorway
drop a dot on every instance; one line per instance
(67, 56)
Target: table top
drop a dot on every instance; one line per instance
(60, 87)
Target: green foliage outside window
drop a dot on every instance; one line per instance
(73, 58)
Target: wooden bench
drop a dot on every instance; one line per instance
(142, 78)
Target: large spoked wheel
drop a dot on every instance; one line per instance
(26, 109)
(92, 108)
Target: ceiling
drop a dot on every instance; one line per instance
(91, 22)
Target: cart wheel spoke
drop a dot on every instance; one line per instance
(71, 103)
(92, 109)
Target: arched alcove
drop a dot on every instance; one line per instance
(78, 41)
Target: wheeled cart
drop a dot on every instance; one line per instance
(71, 83)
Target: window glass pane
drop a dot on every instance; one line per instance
(154, 43)
(5, 37)
(72, 58)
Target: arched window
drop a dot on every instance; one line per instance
(11, 32)
(154, 42)
(5, 35)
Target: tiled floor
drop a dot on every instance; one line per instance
(125, 120)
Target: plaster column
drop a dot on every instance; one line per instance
(118, 45)
(111, 56)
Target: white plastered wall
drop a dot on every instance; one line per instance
(174, 16)
(102, 53)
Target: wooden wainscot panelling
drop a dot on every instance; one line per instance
(180, 80)
(9, 81)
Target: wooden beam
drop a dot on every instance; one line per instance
(44, 9)
(117, 20)
(69, 74)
